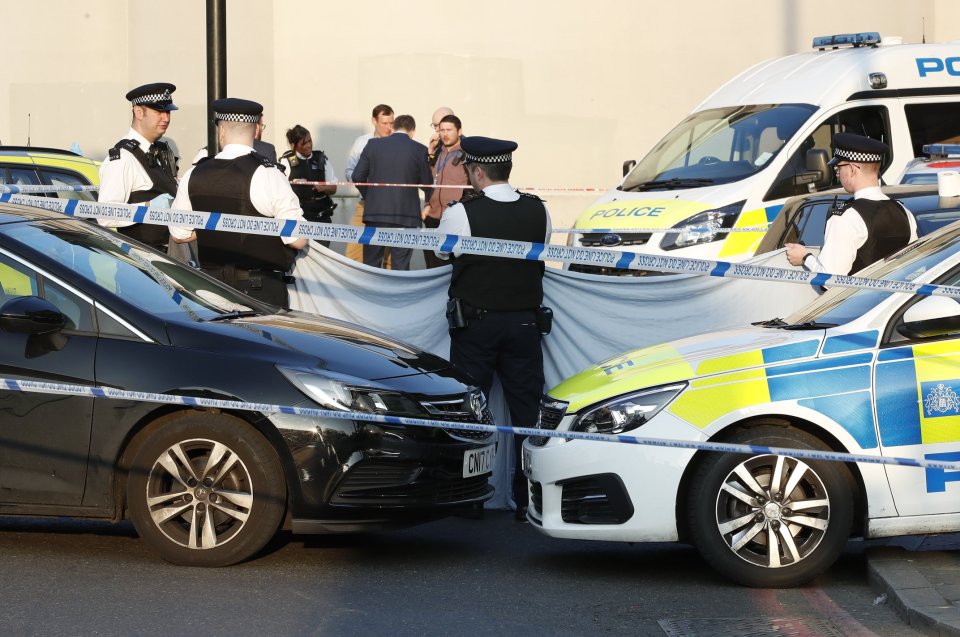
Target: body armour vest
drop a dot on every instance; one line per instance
(223, 185)
(498, 283)
(888, 229)
(315, 205)
(161, 168)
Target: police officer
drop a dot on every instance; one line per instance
(303, 163)
(494, 308)
(241, 182)
(868, 227)
(140, 167)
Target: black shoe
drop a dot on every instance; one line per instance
(520, 513)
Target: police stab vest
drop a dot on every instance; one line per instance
(499, 283)
(315, 205)
(223, 185)
(161, 168)
(888, 229)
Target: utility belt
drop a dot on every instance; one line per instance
(460, 313)
(247, 278)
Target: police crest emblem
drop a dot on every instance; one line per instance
(941, 399)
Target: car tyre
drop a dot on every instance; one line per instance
(766, 520)
(205, 489)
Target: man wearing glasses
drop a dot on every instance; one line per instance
(868, 227)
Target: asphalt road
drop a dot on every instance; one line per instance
(454, 577)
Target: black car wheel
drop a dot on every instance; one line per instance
(767, 520)
(206, 490)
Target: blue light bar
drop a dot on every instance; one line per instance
(867, 38)
(941, 150)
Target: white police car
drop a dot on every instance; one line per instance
(938, 158)
(860, 371)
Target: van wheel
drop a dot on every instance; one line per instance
(767, 520)
(206, 490)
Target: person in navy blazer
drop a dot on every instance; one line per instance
(395, 159)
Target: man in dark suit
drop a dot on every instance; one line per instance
(395, 159)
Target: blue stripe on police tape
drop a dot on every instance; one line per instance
(535, 251)
(140, 214)
(820, 279)
(367, 235)
(212, 221)
(926, 289)
(288, 226)
(105, 392)
(5, 197)
(449, 241)
(71, 206)
(624, 260)
(720, 270)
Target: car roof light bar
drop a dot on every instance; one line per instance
(867, 38)
(941, 150)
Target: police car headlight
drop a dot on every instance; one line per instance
(703, 227)
(341, 395)
(627, 412)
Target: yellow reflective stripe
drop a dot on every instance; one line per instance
(745, 243)
(704, 402)
(729, 363)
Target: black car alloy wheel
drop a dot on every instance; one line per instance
(767, 520)
(205, 489)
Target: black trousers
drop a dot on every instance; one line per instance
(506, 344)
(269, 286)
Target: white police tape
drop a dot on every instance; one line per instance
(448, 243)
(214, 403)
(34, 189)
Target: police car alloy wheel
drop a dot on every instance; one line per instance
(205, 489)
(766, 520)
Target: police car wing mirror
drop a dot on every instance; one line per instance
(628, 166)
(816, 162)
(931, 316)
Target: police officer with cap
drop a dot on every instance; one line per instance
(140, 168)
(868, 227)
(494, 311)
(241, 182)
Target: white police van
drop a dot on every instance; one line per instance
(766, 136)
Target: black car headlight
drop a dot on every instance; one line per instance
(702, 227)
(342, 395)
(626, 412)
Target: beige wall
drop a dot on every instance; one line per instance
(580, 85)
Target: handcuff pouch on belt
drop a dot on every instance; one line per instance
(544, 319)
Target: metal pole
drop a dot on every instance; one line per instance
(216, 65)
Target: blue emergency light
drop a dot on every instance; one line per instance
(867, 38)
(941, 150)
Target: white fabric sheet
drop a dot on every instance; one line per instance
(595, 317)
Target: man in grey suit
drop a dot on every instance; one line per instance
(395, 159)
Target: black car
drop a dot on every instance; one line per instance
(82, 305)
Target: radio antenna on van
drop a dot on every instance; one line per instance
(923, 29)
(28, 129)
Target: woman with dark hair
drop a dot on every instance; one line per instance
(302, 163)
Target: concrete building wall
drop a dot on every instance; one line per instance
(581, 86)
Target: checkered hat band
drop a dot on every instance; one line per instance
(853, 155)
(492, 159)
(236, 117)
(152, 98)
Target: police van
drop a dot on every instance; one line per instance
(766, 136)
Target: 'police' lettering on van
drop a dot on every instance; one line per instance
(925, 66)
(636, 211)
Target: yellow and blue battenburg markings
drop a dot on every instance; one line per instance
(837, 386)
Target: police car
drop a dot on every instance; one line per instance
(35, 166)
(937, 158)
(765, 136)
(872, 373)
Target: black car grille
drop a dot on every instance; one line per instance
(613, 239)
(536, 498)
(385, 484)
(551, 413)
(459, 410)
(599, 499)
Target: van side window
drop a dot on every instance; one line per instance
(795, 179)
(932, 124)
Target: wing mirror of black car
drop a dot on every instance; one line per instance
(628, 166)
(929, 317)
(31, 315)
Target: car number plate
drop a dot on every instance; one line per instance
(478, 461)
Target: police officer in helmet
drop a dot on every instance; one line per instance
(494, 310)
(241, 182)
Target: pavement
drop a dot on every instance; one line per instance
(920, 576)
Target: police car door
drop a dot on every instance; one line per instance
(917, 390)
